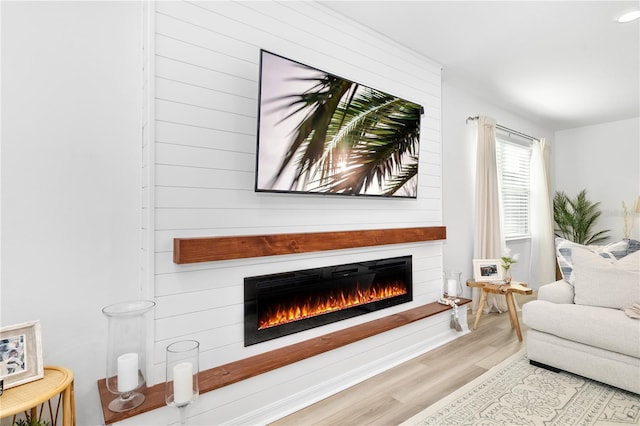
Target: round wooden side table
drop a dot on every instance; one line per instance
(27, 397)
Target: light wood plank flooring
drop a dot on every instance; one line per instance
(397, 394)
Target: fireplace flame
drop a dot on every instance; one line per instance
(328, 302)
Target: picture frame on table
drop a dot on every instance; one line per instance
(488, 270)
(21, 354)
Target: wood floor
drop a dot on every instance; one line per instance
(397, 394)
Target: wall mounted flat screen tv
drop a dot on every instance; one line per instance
(322, 134)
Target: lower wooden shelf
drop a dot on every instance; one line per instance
(224, 375)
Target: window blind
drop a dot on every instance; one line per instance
(513, 161)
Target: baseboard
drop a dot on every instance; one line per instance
(284, 407)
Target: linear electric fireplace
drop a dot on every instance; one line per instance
(280, 304)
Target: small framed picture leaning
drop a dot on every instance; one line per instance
(489, 270)
(21, 354)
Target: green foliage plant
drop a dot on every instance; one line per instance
(508, 260)
(352, 138)
(575, 218)
(31, 422)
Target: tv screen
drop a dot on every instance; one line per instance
(323, 134)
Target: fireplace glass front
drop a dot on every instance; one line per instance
(280, 304)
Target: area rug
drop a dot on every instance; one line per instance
(517, 393)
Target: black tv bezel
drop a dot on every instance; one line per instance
(320, 193)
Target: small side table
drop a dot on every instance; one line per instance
(27, 397)
(508, 290)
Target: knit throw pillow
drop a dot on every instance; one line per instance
(632, 246)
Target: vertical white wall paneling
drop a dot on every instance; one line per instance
(148, 180)
(205, 101)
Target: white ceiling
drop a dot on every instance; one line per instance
(562, 64)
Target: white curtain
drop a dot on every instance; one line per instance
(543, 259)
(488, 239)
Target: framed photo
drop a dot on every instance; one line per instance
(487, 270)
(20, 354)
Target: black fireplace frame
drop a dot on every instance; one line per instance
(270, 285)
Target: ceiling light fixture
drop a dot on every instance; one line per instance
(629, 16)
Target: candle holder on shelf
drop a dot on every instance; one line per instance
(452, 285)
(181, 387)
(126, 352)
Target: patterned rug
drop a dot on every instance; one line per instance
(517, 393)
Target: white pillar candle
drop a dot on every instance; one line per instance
(127, 372)
(452, 288)
(182, 383)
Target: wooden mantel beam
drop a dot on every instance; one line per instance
(206, 249)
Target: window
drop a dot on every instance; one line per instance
(514, 159)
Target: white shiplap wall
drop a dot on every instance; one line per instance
(200, 178)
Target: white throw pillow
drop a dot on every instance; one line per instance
(564, 248)
(601, 282)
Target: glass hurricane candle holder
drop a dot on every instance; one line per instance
(452, 284)
(181, 387)
(126, 351)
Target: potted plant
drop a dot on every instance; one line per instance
(576, 218)
(29, 421)
(507, 261)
